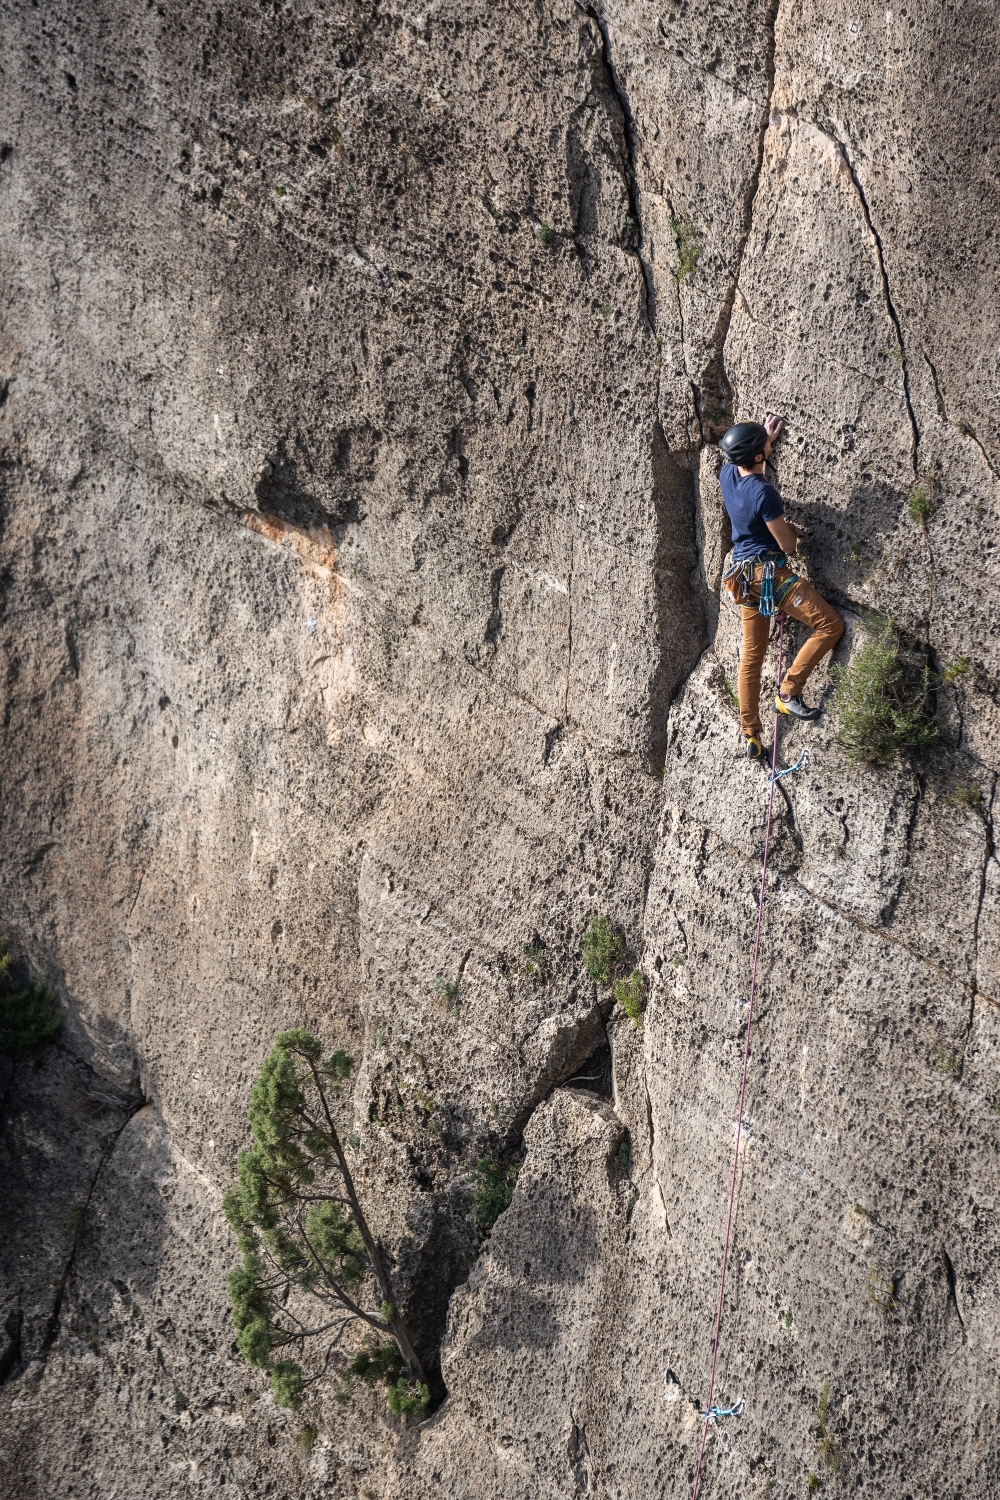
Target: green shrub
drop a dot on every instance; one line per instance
(883, 699)
(688, 248)
(546, 234)
(966, 794)
(494, 1190)
(829, 1450)
(378, 1362)
(303, 1235)
(28, 1014)
(882, 1291)
(959, 668)
(919, 506)
(630, 994)
(408, 1398)
(534, 952)
(603, 949)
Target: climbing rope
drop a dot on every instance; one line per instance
(710, 1411)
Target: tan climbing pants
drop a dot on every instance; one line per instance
(802, 603)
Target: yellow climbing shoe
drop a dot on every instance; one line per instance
(755, 750)
(796, 709)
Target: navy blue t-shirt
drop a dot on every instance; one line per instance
(751, 502)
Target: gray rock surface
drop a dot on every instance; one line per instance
(361, 372)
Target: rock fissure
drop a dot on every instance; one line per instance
(961, 425)
(984, 869)
(629, 173)
(890, 305)
(952, 1285)
(889, 910)
(52, 1329)
(722, 393)
(569, 627)
(821, 899)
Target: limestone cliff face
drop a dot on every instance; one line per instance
(360, 377)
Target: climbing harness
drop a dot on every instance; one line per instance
(743, 576)
(799, 765)
(709, 1410)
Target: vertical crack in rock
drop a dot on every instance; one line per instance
(10, 1353)
(990, 854)
(889, 910)
(938, 397)
(52, 1329)
(963, 426)
(949, 1271)
(715, 379)
(681, 631)
(649, 1116)
(631, 179)
(886, 289)
(897, 325)
(495, 621)
(569, 622)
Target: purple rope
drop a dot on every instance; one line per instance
(743, 1081)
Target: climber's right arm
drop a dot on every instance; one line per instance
(786, 535)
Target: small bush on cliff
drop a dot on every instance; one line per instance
(603, 949)
(311, 1267)
(630, 994)
(883, 698)
(919, 505)
(688, 248)
(494, 1190)
(28, 1013)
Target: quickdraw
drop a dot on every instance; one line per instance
(799, 765)
(723, 1411)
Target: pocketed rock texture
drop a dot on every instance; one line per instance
(361, 377)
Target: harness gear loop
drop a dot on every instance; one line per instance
(727, 1239)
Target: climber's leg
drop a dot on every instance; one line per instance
(756, 633)
(804, 604)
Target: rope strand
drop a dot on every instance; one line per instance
(743, 1081)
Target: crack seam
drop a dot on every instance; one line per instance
(990, 854)
(52, 1332)
(629, 175)
(847, 916)
(725, 318)
(886, 289)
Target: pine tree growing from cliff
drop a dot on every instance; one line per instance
(311, 1267)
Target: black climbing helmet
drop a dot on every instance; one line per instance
(743, 442)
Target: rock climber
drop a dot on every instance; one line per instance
(761, 581)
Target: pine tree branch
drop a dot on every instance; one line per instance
(399, 1329)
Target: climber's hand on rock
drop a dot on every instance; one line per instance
(773, 426)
